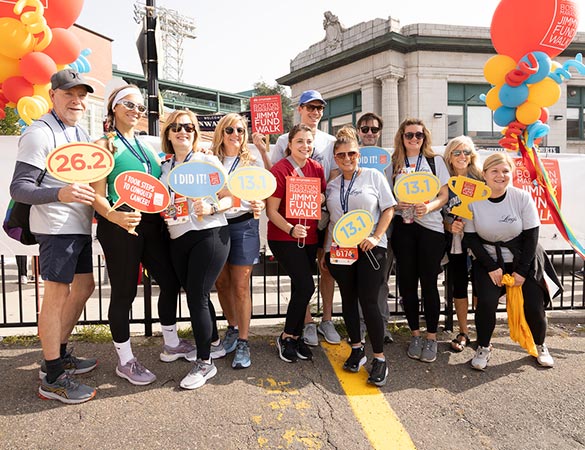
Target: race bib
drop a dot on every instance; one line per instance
(178, 212)
(344, 256)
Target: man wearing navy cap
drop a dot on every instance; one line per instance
(60, 219)
(310, 109)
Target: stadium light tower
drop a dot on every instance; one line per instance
(173, 28)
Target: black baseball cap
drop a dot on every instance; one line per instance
(67, 79)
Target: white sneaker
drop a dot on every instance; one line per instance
(481, 358)
(199, 374)
(544, 358)
(23, 279)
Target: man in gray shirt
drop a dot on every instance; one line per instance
(60, 219)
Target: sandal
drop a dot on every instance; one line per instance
(458, 344)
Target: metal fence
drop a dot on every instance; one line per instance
(270, 290)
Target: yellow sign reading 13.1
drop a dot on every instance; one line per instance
(251, 183)
(353, 227)
(417, 187)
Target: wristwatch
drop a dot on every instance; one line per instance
(214, 209)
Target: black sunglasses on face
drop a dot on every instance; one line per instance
(230, 130)
(418, 135)
(312, 108)
(366, 130)
(176, 127)
(131, 106)
(458, 152)
(342, 155)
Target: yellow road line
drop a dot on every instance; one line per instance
(379, 422)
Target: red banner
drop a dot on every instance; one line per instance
(266, 113)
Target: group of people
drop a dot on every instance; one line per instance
(198, 243)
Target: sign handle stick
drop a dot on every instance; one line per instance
(373, 261)
(267, 143)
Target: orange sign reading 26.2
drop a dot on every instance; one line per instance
(80, 162)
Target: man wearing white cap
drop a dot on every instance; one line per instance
(60, 219)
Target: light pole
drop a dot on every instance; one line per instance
(152, 69)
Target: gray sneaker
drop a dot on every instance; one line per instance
(242, 356)
(71, 364)
(230, 340)
(415, 348)
(217, 352)
(199, 374)
(310, 335)
(429, 351)
(66, 390)
(170, 354)
(328, 331)
(135, 373)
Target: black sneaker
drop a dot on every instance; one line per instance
(287, 349)
(303, 351)
(356, 359)
(378, 373)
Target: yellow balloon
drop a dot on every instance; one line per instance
(492, 99)
(528, 113)
(42, 90)
(31, 108)
(8, 68)
(15, 41)
(544, 93)
(496, 68)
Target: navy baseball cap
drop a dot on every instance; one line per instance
(309, 96)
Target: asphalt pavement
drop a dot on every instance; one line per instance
(514, 404)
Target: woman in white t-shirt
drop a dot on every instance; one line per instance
(503, 237)
(359, 276)
(418, 238)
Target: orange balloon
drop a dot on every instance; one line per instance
(528, 113)
(15, 41)
(64, 47)
(63, 13)
(42, 90)
(522, 26)
(492, 99)
(8, 67)
(15, 88)
(496, 68)
(544, 93)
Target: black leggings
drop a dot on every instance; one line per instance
(418, 253)
(124, 253)
(487, 303)
(361, 283)
(298, 263)
(458, 274)
(198, 257)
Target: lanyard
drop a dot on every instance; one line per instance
(173, 161)
(344, 197)
(297, 168)
(234, 164)
(418, 161)
(142, 156)
(62, 125)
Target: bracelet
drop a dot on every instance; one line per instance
(290, 232)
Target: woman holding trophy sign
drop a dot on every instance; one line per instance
(358, 269)
(418, 238)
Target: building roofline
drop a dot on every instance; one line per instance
(93, 32)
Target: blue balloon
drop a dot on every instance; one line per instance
(504, 115)
(511, 96)
(535, 131)
(544, 66)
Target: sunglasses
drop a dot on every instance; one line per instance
(312, 108)
(458, 152)
(176, 127)
(418, 135)
(342, 155)
(230, 130)
(366, 130)
(130, 106)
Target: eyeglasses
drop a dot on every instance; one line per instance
(366, 130)
(466, 152)
(176, 127)
(312, 108)
(130, 106)
(342, 155)
(230, 130)
(418, 135)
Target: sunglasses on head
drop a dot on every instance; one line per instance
(418, 135)
(176, 127)
(466, 152)
(342, 155)
(312, 108)
(130, 106)
(230, 130)
(366, 130)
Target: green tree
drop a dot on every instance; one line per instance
(9, 126)
(263, 88)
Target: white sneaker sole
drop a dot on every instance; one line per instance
(328, 339)
(171, 358)
(193, 383)
(134, 382)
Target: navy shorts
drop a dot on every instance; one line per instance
(64, 255)
(245, 242)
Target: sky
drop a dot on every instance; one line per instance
(240, 43)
